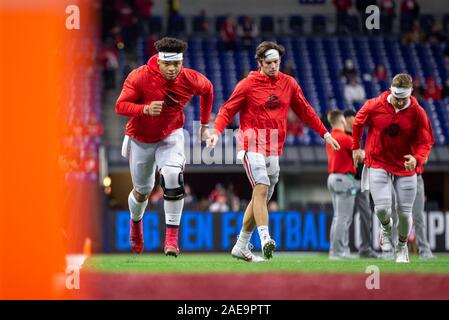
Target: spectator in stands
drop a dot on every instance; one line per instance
(445, 91)
(436, 35)
(89, 164)
(117, 38)
(409, 14)
(273, 206)
(128, 22)
(201, 23)
(418, 89)
(190, 201)
(228, 33)
(432, 91)
(354, 93)
(380, 74)
(219, 205)
(387, 15)
(203, 204)
(414, 35)
(94, 128)
(109, 59)
(218, 190)
(247, 31)
(343, 10)
(144, 10)
(230, 191)
(349, 71)
(236, 205)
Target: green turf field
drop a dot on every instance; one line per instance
(282, 262)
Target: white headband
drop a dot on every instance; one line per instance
(170, 56)
(401, 93)
(271, 54)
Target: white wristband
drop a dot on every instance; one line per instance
(327, 134)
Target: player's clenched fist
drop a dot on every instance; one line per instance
(153, 109)
(212, 140)
(410, 164)
(357, 156)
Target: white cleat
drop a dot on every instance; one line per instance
(268, 247)
(402, 254)
(386, 240)
(245, 254)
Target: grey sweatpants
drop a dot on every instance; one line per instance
(145, 157)
(419, 219)
(342, 189)
(381, 185)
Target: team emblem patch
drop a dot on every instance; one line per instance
(170, 99)
(272, 102)
(393, 130)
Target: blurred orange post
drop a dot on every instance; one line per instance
(87, 249)
(32, 77)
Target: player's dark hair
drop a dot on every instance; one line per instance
(168, 44)
(402, 80)
(267, 45)
(349, 112)
(333, 116)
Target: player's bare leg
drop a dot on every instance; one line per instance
(260, 210)
(137, 203)
(249, 222)
(241, 249)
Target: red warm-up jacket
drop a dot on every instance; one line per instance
(146, 84)
(392, 135)
(340, 161)
(263, 104)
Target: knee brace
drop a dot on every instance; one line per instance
(172, 183)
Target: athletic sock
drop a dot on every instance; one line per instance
(263, 234)
(136, 208)
(173, 212)
(243, 239)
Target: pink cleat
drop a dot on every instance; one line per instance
(171, 242)
(136, 236)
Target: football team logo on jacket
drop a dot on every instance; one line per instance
(170, 99)
(272, 102)
(392, 130)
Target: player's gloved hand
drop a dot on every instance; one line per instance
(357, 156)
(153, 109)
(333, 143)
(211, 142)
(204, 133)
(410, 164)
